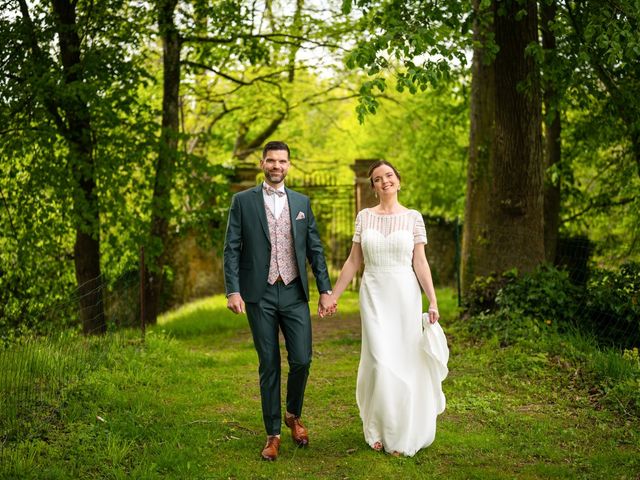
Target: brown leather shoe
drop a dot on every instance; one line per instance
(298, 431)
(270, 450)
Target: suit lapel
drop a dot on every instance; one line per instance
(260, 210)
(293, 212)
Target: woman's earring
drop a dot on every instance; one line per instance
(375, 194)
(399, 187)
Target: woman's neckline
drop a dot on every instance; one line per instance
(404, 212)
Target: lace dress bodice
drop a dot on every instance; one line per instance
(388, 240)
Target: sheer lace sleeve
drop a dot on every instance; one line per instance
(419, 230)
(358, 230)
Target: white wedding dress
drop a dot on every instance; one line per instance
(399, 390)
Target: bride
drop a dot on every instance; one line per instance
(398, 391)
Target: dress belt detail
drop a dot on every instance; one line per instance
(386, 268)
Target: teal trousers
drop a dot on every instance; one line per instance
(282, 307)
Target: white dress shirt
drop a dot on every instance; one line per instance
(275, 202)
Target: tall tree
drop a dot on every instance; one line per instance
(70, 113)
(589, 61)
(479, 169)
(78, 133)
(553, 130)
(504, 224)
(167, 155)
(515, 224)
(62, 97)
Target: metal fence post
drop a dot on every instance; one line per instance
(142, 325)
(458, 262)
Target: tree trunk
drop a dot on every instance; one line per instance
(505, 223)
(516, 223)
(479, 173)
(81, 149)
(552, 145)
(167, 157)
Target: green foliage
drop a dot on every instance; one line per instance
(244, 68)
(523, 308)
(546, 294)
(483, 292)
(607, 306)
(40, 173)
(613, 305)
(527, 313)
(427, 39)
(595, 72)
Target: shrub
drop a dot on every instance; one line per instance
(612, 309)
(482, 294)
(545, 294)
(572, 255)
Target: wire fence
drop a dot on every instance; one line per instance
(36, 371)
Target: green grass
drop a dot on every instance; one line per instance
(186, 405)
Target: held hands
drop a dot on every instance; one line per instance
(235, 303)
(327, 305)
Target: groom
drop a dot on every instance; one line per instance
(270, 233)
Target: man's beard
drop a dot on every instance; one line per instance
(275, 177)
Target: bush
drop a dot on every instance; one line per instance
(545, 294)
(612, 309)
(511, 305)
(607, 307)
(572, 255)
(482, 294)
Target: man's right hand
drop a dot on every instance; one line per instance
(327, 305)
(235, 303)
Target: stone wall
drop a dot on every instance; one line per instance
(197, 270)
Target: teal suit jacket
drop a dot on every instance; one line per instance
(247, 246)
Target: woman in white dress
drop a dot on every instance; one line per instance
(398, 391)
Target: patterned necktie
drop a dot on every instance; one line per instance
(270, 190)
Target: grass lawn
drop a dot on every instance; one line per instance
(186, 405)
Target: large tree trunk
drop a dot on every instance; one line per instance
(479, 173)
(506, 223)
(167, 157)
(516, 222)
(552, 145)
(81, 148)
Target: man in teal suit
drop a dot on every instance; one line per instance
(271, 233)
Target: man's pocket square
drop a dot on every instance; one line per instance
(300, 216)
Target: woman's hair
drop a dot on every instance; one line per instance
(379, 163)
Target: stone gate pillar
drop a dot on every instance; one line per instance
(364, 192)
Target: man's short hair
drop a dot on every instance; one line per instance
(275, 145)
